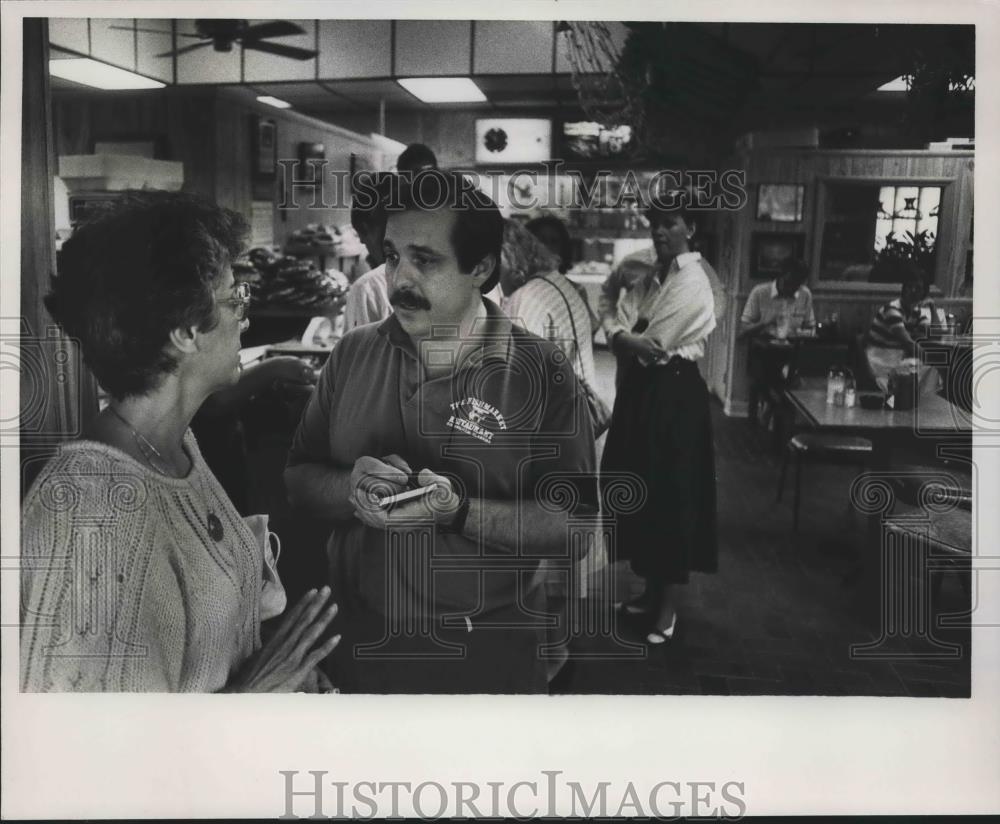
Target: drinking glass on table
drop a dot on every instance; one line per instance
(782, 326)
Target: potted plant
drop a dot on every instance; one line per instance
(901, 251)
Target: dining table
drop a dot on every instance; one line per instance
(934, 417)
(893, 583)
(774, 362)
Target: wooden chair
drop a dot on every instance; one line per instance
(819, 448)
(950, 532)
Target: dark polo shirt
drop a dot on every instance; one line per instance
(508, 416)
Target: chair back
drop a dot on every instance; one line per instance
(863, 375)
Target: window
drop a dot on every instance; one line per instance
(872, 231)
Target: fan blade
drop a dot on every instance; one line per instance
(154, 31)
(185, 49)
(276, 48)
(276, 28)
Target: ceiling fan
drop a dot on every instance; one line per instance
(221, 34)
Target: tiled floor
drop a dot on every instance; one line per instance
(781, 614)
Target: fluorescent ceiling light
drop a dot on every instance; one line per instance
(443, 89)
(900, 84)
(100, 75)
(274, 101)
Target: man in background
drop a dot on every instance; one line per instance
(773, 311)
(368, 297)
(783, 305)
(416, 158)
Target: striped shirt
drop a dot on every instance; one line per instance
(891, 316)
(367, 299)
(540, 302)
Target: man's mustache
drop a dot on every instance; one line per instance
(409, 300)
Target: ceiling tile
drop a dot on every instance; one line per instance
(150, 45)
(205, 65)
(71, 33)
(427, 48)
(513, 46)
(355, 48)
(112, 45)
(258, 65)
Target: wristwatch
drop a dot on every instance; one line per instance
(457, 522)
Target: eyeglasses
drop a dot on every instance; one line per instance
(240, 300)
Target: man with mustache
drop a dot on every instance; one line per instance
(368, 299)
(438, 593)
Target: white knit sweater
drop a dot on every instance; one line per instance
(122, 587)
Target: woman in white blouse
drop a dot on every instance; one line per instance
(661, 428)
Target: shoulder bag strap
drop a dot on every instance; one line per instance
(569, 311)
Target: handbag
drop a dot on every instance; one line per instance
(273, 599)
(600, 412)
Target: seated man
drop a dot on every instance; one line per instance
(774, 310)
(781, 306)
(437, 593)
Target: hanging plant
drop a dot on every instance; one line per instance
(674, 83)
(941, 83)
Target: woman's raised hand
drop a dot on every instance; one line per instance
(283, 663)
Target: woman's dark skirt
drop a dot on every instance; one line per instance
(661, 430)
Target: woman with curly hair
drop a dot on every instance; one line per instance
(138, 574)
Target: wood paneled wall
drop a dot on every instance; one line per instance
(811, 167)
(855, 304)
(58, 395)
(210, 131)
(181, 121)
(450, 133)
(234, 115)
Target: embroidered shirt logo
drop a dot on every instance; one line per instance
(474, 416)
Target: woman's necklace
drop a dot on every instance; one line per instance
(149, 453)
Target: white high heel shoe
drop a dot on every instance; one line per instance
(656, 637)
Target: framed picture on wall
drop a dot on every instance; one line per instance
(265, 147)
(770, 250)
(360, 163)
(780, 202)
